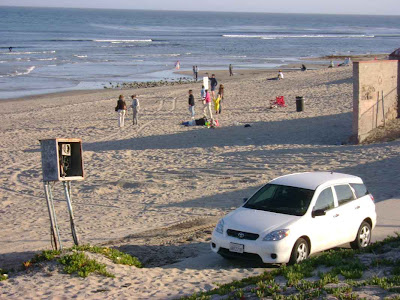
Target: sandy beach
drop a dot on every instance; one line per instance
(150, 188)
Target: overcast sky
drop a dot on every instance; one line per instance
(380, 7)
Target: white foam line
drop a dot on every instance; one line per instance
(123, 41)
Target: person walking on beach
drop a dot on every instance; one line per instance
(214, 84)
(230, 70)
(191, 104)
(207, 105)
(221, 97)
(121, 109)
(135, 109)
(196, 72)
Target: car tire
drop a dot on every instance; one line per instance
(363, 238)
(300, 251)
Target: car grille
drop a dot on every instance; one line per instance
(242, 235)
(245, 255)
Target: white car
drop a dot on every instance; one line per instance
(296, 215)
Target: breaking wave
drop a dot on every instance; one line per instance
(123, 41)
(286, 36)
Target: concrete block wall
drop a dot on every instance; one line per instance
(375, 95)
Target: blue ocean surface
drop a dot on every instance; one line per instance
(57, 49)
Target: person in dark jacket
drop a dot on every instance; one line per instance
(191, 103)
(121, 109)
(214, 84)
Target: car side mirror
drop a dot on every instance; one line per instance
(245, 199)
(318, 213)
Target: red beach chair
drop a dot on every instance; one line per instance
(279, 101)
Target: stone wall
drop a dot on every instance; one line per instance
(375, 95)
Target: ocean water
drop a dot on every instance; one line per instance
(65, 49)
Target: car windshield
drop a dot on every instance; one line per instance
(281, 199)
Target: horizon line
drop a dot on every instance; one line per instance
(184, 10)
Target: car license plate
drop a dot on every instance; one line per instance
(238, 248)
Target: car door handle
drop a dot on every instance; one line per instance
(357, 207)
(335, 216)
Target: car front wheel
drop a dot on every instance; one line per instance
(300, 251)
(363, 238)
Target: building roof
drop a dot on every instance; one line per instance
(311, 180)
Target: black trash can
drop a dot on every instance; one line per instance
(299, 103)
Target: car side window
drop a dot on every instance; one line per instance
(344, 193)
(325, 200)
(359, 189)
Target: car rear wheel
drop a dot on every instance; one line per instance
(363, 238)
(300, 251)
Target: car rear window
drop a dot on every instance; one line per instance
(360, 189)
(344, 193)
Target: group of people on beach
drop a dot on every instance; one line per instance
(121, 109)
(206, 97)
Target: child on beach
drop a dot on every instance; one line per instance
(121, 109)
(221, 97)
(217, 104)
(135, 109)
(191, 104)
(280, 75)
(202, 93)
(207, 105)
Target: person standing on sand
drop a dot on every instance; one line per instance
(135, 109)
(214, 84)
(220, 96)
(121, 109)
(196, 72)
(191, 103)
(280, 75)
(230, 70)
(207, 105)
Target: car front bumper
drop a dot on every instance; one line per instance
(272, 252)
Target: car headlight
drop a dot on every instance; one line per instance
(277, 235)
(220, 226)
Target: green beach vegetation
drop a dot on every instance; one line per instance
(339, 273)
(76, 261)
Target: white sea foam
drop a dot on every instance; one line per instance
(16, 73)
(53, 58)
(285, 36)
(235, 56)
(123, 41)
(81, 56)
(157, 55)
(28, 52)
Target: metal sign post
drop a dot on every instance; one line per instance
(55, 233)
(67, 191)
